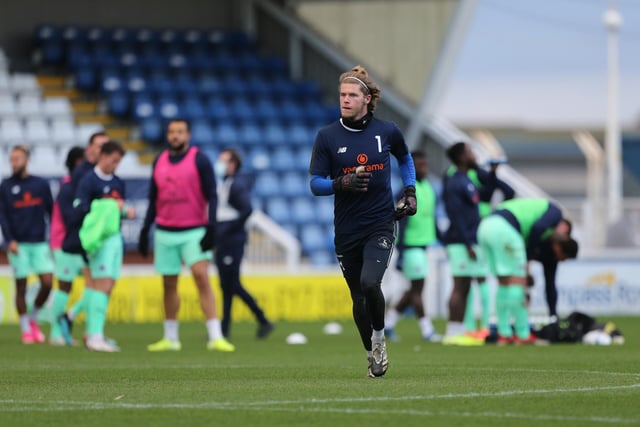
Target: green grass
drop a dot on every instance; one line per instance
(322, 383)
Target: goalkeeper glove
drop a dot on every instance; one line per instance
(356, 182)
(407, 206)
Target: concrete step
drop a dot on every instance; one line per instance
(61, 91)
(103, 119)
(51, 82)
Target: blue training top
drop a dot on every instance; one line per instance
(338, 150)
(24, 205)
(461, 199)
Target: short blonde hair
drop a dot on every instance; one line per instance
(24, 148)
(368, 87)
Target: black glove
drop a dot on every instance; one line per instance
(407, 206)
(143, 242)
(357, 182)
(208, 241)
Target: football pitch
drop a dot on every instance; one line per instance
(321, 383)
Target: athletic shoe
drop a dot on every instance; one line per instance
(66, 325)
(57, 341)
(165, 345)
(264, 330)
(432, 337)
(391, 335)
(221, 344)
(369, 373)
(462, 340)
(480, 334)
(531, 339)
(94, 344)
(505, 340)
(27, 338)
(379, 361)
(37, 334)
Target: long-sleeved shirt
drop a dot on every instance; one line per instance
(234, 208)
(461, 200)
(25, 206)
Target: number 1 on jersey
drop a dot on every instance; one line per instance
(379, 143)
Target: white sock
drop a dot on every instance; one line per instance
(24, 323)
(97, 337)
(34, 314)
(426, 327)
(213, 328)
(171, 330)
(391, 318)
(454, 328)
(377, 336)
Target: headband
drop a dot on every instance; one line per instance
(364, 85)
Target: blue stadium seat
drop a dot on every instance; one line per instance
(303, 157)
(314, 111)
(258, 87)
(86, 78)
(209, 84)
(227, 135)
(242, 110)
(144, 107)
(291, 111)
(258, 160)
(266, 110)
(278, 209)
(168, 108)
(202, 133)
(112, 81)
(267, 184)
(295, 184)
(322, 258)
(234, 87)
(302, 211)
(118, 103)
(275, 67)
(151, 130)
(250, 135)
(282, 159)
(186, 84)
(79, 56)
(52, 52)
(160, 83)
(313, 238)
(122, 37)
(274, 135)
(218, 109)
(299, 135)
(136, 82)
(129, 58)
(308, 90)
(46, 32)
(192, 108)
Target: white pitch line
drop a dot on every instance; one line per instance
(266, 403)
(241, 407)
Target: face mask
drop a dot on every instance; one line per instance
(220, 169)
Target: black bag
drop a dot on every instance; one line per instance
(569, 330)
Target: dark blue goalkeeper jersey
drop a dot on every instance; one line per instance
(338, 150)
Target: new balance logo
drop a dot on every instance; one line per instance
(342, 150)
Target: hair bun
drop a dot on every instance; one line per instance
(360, 70)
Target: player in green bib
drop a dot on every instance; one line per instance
(487, 182)
(415, 234)
(511, 236)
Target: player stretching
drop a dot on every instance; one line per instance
(510, 236)
(416, 233)
(183, 202)
(25, 204)
(351, 159)
(68, 266)
(95, 219)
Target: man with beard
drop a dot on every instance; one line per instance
(183, 203)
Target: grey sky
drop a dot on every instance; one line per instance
(542, 63)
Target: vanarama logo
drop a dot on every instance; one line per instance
(362, 159)
(367, 168)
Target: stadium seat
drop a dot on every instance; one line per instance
(160, 83)
(202, 133)
(278, 209)
(267, 185)
(302, 211)
(63, 132)
(118, 103)
(168, 108)
(7, 105)
(56, 107)
(25, 83)
(85, 130)
(299, 135)
(274, 135)
(46, 160)
(250, 135)
(227, 135)
(86, 78)
(259, 160)
(151, 130)
(295, 184)
(266, 110)
(209, 84)
(185, 84)
(322, 258)
(29, 105)
(11, 131)
(323, 207)
(36, 131)
(282, 159)
(143, 107)
(313, 238)
(242, 110)
(192, 108)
